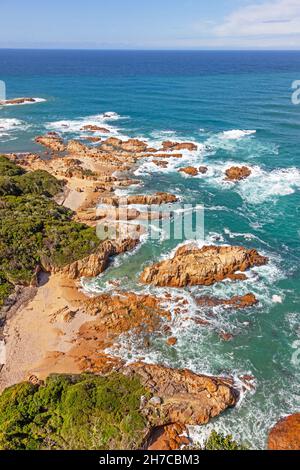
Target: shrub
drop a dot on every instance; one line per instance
(73, 412)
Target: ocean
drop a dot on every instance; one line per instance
(237, 106)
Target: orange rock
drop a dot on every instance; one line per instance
(172, 341)
(93, 128)
(192, 266)
(168, 145)
(236, 173)
(286, 434)
(244, 301)
(189, 170)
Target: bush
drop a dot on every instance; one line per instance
(73, 412)
(221, 442)
(33, 227)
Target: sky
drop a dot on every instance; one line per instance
(150, 24)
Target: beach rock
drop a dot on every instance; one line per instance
(186, 398)
(236, 173)
(285, 435)
(168, 145)
(76, 147)
(248, 300)
(53, 142)
(189, 170)
(161, 164)
(118, 213)
(201, 266)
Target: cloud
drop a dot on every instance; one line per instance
(270, 18)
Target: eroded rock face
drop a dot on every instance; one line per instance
(94, 264)
(53, 142)
(193, 266)
(168, 145)
(189, 170)
(237, 173)
(286, 434)
(182, 396)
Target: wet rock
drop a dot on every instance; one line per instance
(168, 145)
(192, 266)
(189, 170)
(172, 341)
(203, 170)
(236, 173)
(237, 301)
(93, 128)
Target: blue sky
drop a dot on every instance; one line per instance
(150, 24)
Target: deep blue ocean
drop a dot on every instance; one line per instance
(237, 106)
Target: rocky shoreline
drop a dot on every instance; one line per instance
(58, 329)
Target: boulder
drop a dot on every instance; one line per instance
(192, 266)
(237, 173)
(285, 435)
(189, 170)
(186, 398)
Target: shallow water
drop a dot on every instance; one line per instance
(237, 107)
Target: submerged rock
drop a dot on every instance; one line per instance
(192, 266)
(237, 301)
(285, 435)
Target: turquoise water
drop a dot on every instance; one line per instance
(214, 99)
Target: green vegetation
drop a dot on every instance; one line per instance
(34, 229)
(221, 442)
(73, 412)
(14, 181)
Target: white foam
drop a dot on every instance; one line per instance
(75, 126)
(9, 126)
(236, 134)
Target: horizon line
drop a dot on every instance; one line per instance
(142, 50)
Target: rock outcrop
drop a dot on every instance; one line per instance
(181, 396)
(285, 435)
(248, 300)
(17, 101)
(189, 170)
(237, 173)
(53, 142)
(143, 199)
(201, 266)
(168, 145)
